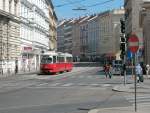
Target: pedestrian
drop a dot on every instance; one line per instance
(139, 75)
(107, 71)
(104, 67)
(143, 68)
(147, 70)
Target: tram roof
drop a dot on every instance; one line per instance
(50, 53)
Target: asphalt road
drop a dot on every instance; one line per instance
(74, 92)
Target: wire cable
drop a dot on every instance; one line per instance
(70, 3)
(97, 4)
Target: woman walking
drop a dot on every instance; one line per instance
(138, 70)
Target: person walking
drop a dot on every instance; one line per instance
(138, 72)
(107, 71)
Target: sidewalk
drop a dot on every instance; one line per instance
(140, 109)
(141, 87)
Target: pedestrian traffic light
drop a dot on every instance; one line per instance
(122, 47)
(122, 22)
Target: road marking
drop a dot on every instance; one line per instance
(81, 76)
(141, 99)
(68, 84)
(89, 76)
(94, 84)
(107, 85)
(42, 84)
(55, 84)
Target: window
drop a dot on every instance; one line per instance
(54, 59)
(15, 8)
(60, 59)
(4, 4)
(69, 59)
(10, 1)
(46, 59)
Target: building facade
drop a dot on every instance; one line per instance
(9, 36)
(132, 14)
(109, 33)
(145, 24)
(37, 32)
(52, 27)
(93, 36)
(60, 36)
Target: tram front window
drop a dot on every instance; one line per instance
(46, 60)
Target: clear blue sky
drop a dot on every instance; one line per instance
(63, 8)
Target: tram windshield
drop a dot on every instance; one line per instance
(46, 59)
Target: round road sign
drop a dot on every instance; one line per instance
(133, 43)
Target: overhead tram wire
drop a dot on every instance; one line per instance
(97, 4)
(70, 3)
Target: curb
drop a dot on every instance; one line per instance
(102, 109)
(128, 90)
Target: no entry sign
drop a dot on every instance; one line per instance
(133, 43)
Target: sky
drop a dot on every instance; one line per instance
(64, 8)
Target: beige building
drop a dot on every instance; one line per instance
(76, 49)
(53, 25)
(9, 36)
(132, 14)
(145, 24)
(109, 31)
(91, 36)
(37, 32)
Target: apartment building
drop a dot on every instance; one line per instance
(132, 14)
(109, 32)
(60, 36)
(52, 27)
(37, 32)
(9, 36)
(145, 24)
(93, 36)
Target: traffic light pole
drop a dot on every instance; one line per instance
(124, 70)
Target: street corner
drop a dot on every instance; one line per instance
(122, 88)
(113, 110)
(129, 88)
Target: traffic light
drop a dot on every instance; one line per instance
(122, 22)
(122, 47)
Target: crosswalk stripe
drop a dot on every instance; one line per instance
(106, 85)
(94, 84)
(145, 100)
(68, 84)
(144, 104)
(55, 84)
(139, 97)
(81, 76)
(89, 76)
(42, 84)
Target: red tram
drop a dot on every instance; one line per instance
(54, 62)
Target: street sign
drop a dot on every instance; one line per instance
(129, 54)
(133, 43)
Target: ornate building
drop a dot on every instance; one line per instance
(38, 32)
(9, 36)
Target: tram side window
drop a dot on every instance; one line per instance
(60, 59)
(46, 59)
(54, 59)
(69, 59)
